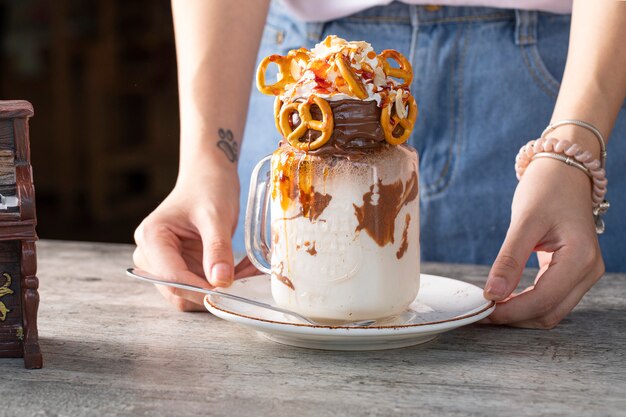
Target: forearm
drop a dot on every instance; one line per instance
(216, 48)
(594, 82)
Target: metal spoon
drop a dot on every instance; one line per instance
(146, 276)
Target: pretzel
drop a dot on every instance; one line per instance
(390, 122)
(284, 71)
(354, 83)
(278, 104)
(301, 53)
(405, 72)
(325, 126)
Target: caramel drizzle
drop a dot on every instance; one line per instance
(293, 181)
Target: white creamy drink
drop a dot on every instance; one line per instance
(344, 195)
(332, 263)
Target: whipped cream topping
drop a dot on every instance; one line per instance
(321, 76)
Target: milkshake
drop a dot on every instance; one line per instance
(343, 188)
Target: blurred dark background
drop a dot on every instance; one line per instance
(101, 75)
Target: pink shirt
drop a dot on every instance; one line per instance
(324, 10)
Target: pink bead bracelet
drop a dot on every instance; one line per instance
(573, 155)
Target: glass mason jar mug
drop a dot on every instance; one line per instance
(344, 231)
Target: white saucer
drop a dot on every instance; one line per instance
(442, 304)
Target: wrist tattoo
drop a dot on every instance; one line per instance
(228, 145)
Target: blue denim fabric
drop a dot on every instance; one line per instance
(486, 81)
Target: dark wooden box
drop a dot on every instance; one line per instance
(19, 299)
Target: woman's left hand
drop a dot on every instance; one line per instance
(551, 214)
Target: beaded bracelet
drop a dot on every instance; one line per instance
(584, 125)
(573, 155)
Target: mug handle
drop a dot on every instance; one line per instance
(256, 216)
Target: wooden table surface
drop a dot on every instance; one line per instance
(112, 347)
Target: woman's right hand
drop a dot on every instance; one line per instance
(187, 238)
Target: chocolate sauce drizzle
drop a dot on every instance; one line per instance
(279, 275)
(357, 133)
(311, 250)
(378, 216)
(404, 245)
